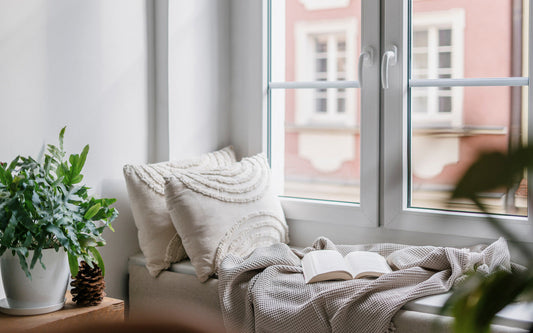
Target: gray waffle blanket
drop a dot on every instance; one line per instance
(266, 292)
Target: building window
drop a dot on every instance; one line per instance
(437, 53)
(326, 51)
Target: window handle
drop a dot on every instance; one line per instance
(365, 58)
(389, 59)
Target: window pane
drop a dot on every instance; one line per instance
(445, 60)
(444, 143)
(321, 159)
(321, 45)
(321, 65)
(321, 105)
(324, 40)
(341, 105)
(420, 61)
(420, 38)
(341, 66)
(479, 38)
(445, 104)
(419, 104)
(341, 46)
(445, 37)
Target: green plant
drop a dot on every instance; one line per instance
(43, 205)
(474, 304)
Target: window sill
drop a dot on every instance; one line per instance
(458, 131)
(518, 315)
(332, 128)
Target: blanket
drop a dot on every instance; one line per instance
(266, 292)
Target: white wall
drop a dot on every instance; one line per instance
(83, 64)
(198, 76)
(139, 80)
(247, 53)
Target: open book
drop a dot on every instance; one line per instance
(331, 265)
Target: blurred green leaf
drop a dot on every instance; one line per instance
(477, 301)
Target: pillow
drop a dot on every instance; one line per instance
(226, 210)
(158, 240)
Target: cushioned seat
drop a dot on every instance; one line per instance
(178, 287)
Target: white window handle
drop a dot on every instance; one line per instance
(365, 58)
(389, 59)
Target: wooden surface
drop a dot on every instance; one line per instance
(67, 319)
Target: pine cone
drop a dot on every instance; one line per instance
(88, 286)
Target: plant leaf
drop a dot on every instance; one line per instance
(58, 233)
(73, 264)
(91, 212)
(61, 136)
(99, 259)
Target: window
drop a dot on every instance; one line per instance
(437, 53)
(384, 142)
(330, 65)
(315, 111)
(325, 51)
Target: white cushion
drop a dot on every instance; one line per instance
(158, 239)
(225, 210)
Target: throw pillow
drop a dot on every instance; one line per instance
(158, 239)
(226, 210)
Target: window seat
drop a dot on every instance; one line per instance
(178, 286)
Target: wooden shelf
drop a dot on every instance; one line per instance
(110, 310)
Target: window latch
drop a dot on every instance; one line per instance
(365, 58)
(389, 59)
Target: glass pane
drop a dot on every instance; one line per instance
(420, 61)
(321, 65)
(341, 46)
(315, 36)
(420, 38)
(321, 105)
(480, 40)
(321, 159)
(419, 104)
(444, 142)
(445, 60)
(445, 37)
(445, 104)
(341, 105)
(321, 45)
(341, 66)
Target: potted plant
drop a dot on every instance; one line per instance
(46, 215)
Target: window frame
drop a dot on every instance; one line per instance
(396, 215)
(366, 212)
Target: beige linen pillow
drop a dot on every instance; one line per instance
(226, 210)
(158, 239)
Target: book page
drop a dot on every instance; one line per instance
(324, 265)
(364, 264)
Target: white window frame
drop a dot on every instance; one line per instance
(366, 212)
(308, 218)
(396, 215)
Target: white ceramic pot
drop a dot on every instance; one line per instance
(44, 292)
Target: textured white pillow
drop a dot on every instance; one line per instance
(225, 210)
(158, 239)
